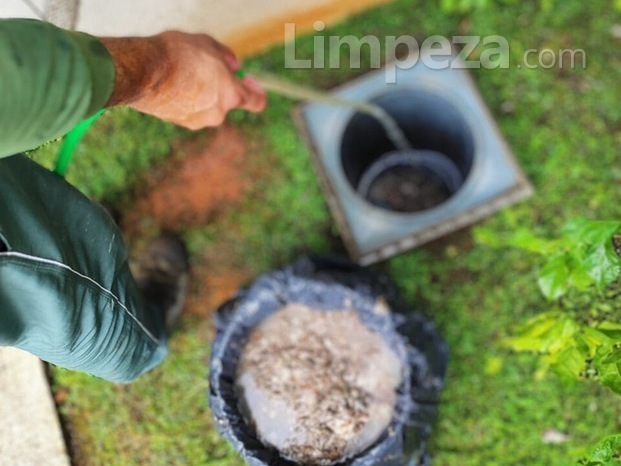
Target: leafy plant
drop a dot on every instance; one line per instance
(580, 336)
(605, 453)
(585, 255)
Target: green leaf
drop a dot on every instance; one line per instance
(526, 240)
(554, 277)
(582, 231)
(610, 376)
(613, 357)
(602, 264)
(547, 333)
(579, 277)
(605, 453)
(611, 330)
(592, 339)
(532, 335)
(567, 363)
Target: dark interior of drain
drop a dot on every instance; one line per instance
(433, 126)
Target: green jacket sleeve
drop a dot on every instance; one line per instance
(50, 79)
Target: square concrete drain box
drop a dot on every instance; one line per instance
(467, 173)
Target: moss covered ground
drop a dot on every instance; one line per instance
(564, 126)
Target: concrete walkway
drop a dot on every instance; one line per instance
(30, 433)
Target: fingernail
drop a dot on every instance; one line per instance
(253, 84)
(231, 60)
(235, 63)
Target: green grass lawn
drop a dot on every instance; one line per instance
(565, 129)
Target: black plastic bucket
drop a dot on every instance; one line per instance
(325, 286)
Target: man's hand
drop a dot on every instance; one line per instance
(187, 79)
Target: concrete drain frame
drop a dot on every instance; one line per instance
(439, 111)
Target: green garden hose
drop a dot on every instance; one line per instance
(70, 143)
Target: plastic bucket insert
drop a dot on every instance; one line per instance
(408, 181)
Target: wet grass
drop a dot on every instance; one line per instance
(565, 128)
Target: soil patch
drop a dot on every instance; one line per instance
(206, 177)
(214, 280)
(203, 179)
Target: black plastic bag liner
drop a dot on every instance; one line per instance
(329, 285)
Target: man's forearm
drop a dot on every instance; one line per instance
(141, 64)
(52, 78)
(187, 79)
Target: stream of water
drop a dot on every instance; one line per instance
(296, 91)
